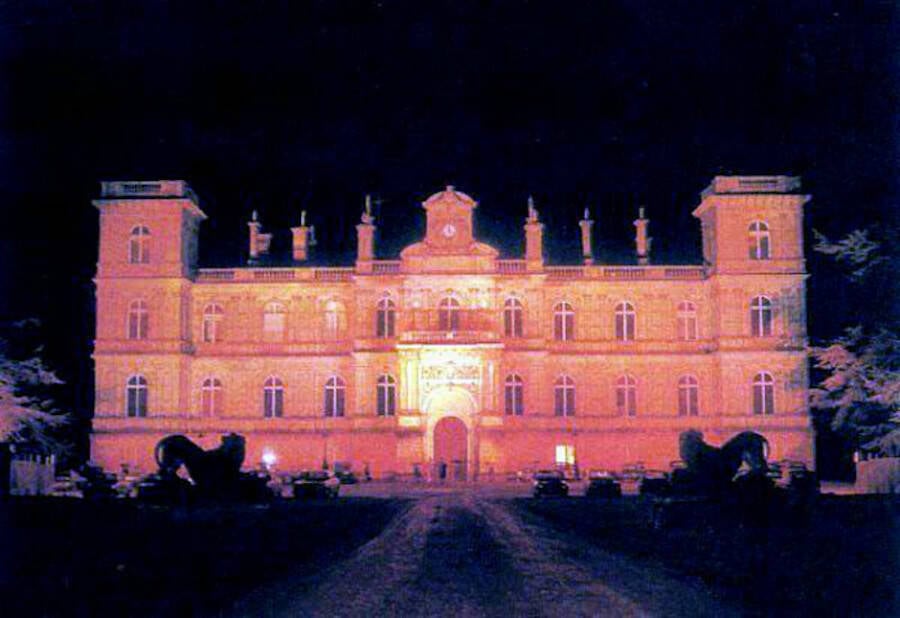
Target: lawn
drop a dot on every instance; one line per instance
(83, 558)
(840, 557)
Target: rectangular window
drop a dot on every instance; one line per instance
(565, 455)
(273, 326)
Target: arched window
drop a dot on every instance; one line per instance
(514, 390)
(763, 393)
(136, 392)
(688, 396)
(761, 317)
(211, 397)
(448, 314)
(386, 396)
(385, 317)
(139, 245)
(273, 322)
(626, 396)
(625, 317)
(138, 320)
(334, 396)
(273, 397)
(564, 396)
(512, 317)
(759, 240)
(212, 320)
(687, 321)
(563, 322)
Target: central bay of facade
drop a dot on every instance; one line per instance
(450, 361)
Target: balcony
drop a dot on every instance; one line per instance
(462, 326)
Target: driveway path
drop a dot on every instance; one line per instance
(461, 555)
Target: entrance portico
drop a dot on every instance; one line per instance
(449, 439)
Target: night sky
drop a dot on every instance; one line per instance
(287, 106)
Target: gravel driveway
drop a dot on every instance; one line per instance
(461, 555)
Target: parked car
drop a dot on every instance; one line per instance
(603, 484)
(316, 484)
(550, 483)
(655, 483)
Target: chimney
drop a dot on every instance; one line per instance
(587, 225)
(641, 240)
(534, 238)
(301, 239)
(259, 242)
(365, 239)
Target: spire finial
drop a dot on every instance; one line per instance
(587, 213)
(254, 216)
(641, 212)
(302, 217)
(532, 211)
(368, 204)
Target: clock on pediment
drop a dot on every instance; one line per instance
(449, 214)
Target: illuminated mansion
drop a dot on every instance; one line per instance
(450, 361)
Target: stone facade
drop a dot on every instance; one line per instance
(534, 365)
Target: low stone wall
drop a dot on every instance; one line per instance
(878, 476)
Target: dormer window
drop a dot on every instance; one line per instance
(759, 240)
(139, 245)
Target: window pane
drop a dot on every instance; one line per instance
(682, 402)
(694, 403)
(339, 408)
(142, 402)
(559, 405)
(632, 402)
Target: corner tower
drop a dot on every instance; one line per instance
(147, 259)
(753, 224)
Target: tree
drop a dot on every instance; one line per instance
(861, 386)
(27, 412)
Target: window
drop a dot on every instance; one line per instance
(385, 317)
(138, 320)
(136, 397)
(273, 322)
(625, 317)
(759, 240)
(138, 245)
(761, 317)
(332, 318)
(763, 393)
(211, 397)
(565, 455)
(386, 396)
(514, 391)
(626, 396)
(334, 396)
(563, 322)
(688, 396)
(512, 317)
(273, 398)
(212, 319)
(564, 400)
(448, 314)
(687, 321)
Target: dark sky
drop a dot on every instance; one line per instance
(283, 106)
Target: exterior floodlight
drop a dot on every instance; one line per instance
(269, 458)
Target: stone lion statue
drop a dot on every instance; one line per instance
(211, 471)
(711, 470)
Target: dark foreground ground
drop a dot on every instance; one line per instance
(450, 553)
(62, 557)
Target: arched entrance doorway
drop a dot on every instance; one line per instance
(451, 445)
